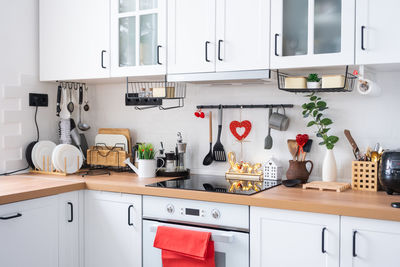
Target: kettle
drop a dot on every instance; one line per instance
(147, 168)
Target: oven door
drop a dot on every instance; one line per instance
(231, 248)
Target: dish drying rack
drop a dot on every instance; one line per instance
(153, 94)
(48, 167)
(348, 86)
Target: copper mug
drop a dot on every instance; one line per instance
(298, 170)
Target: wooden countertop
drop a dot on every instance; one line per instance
(349, 203)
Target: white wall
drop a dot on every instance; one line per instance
(19, 76)
(370, 119)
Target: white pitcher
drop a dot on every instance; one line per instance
(147, 168)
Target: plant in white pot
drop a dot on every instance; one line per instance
(313, 110)
(313, 81)
(147, 165)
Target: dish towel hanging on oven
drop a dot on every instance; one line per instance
(185, 248)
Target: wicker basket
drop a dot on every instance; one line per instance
(364, 176)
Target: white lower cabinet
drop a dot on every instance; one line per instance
(369, 243)
(113, 229)
(29, 233)
(291, 238)
(70, 223)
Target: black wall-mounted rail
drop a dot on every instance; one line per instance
(245, 106)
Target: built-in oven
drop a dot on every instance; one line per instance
(227, 223)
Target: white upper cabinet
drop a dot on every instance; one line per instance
(377, 35)
(74, 39)
(191, 36)
(138, 37)
(217, 35)
(291, 238)
(310, 33)
(369, 243)
(242, 35)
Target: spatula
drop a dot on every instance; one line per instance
(293, 147)
(218, 150)
(208, 159)
(306, 149)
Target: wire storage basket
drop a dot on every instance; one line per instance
(347, 85)
(153, 94)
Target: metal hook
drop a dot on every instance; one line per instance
(76, 86)
(69, 85)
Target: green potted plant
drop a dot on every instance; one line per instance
(314, 110)
(313, 81)
(147, 165)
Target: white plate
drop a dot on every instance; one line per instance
(112, 140)
(67, 158)
(42, 149)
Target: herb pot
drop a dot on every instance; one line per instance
(313, 85)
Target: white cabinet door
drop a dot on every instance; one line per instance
(369, 243)
(191, 36)
(113, 229)
(74, 39)
(138, 37)
(69, 221)
(377, 37)
(309, 33)
(242, 32)
(290, 238)
(29, 233)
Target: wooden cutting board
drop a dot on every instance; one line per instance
(329, 186)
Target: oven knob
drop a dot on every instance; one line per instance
(216, 214)
(170, 208)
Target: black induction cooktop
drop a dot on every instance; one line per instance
(210, 183)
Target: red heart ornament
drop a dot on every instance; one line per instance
(197, 114)
(234, 125)
(302, 139)
(202, 115)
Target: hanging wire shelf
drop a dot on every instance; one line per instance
(145, 95)
(348, 84)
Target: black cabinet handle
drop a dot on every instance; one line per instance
(206, 52)
(219, 49)
(71, 219)
(276, 44)
(129, 215)
(158, 54)
(323, 240)
(354, 244)
(362, 37)
(102, 58)
(11, 217)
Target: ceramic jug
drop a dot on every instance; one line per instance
(298, 170)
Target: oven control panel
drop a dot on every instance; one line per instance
(193, 211)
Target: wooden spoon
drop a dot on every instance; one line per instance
(293, 147)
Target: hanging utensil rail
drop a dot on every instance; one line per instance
(245, 106)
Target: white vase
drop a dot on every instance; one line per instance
(329, 171)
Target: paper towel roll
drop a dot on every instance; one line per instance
(367, 87)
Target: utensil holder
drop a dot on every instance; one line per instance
(364, 176)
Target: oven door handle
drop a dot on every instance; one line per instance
(220, 238)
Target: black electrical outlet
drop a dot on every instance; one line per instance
(40, 100)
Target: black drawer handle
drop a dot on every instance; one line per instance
(206, 50)
(323, 240)
(362, 37)
(158, 54)
(276, 44)
(11, 217)
(354, 244)
(102, 58)
(71, 219)
(219, 50)
(129, 215)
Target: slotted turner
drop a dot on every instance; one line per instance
(218, 150)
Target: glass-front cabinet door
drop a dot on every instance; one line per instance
(138, 37)
(310, 33)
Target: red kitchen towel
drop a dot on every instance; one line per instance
(185, 248)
